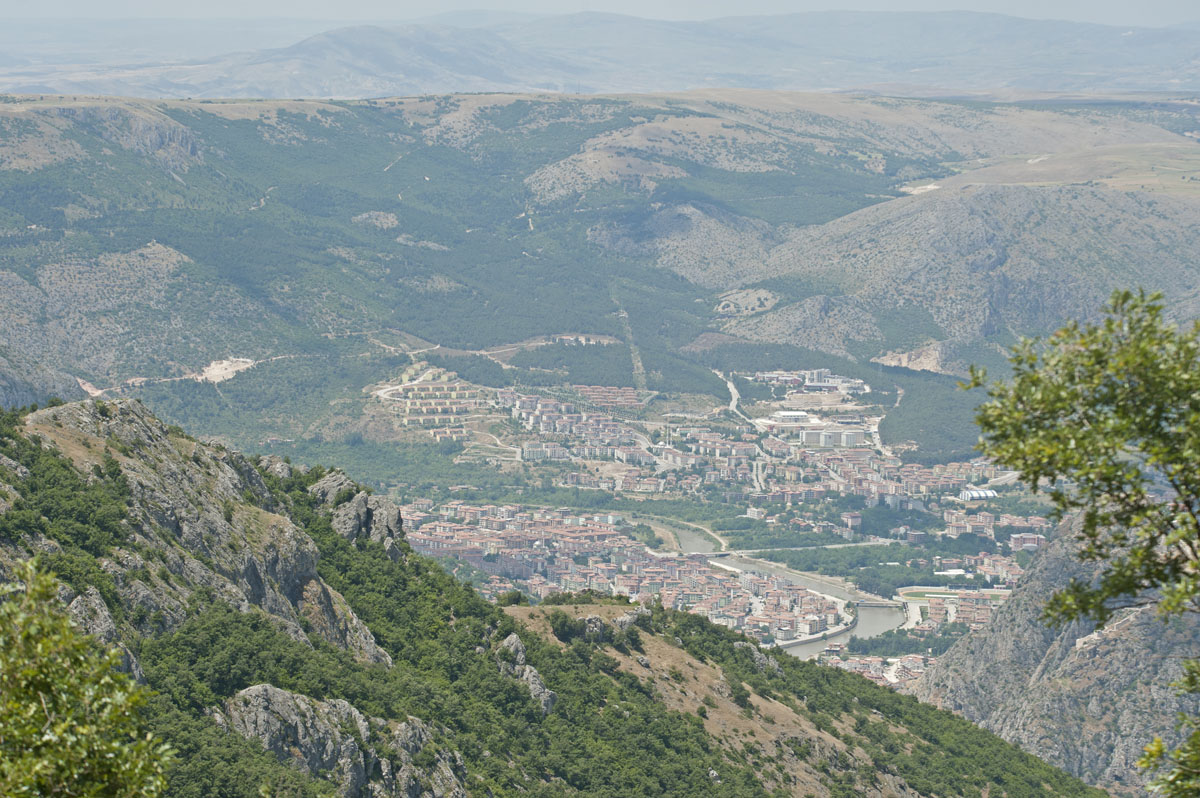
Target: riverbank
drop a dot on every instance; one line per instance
(682, 536)
(839, 587)
(869, 621)
(828, 634)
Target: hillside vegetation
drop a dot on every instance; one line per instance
(296, 642)
(142, 240)
(1085, 699)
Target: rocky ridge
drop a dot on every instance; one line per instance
(1086, 700)
(201, 518)
(190, 514)
(510, 657)
(367, 757)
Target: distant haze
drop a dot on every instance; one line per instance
(1110, 12)
(930, 53)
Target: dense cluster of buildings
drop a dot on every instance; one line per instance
(545, 551)
(894, 672)
(1028, 528)
(813, 381)
(593, 435)
(972, 607)
(609, 396)
(799, 429)
(432, 403)
(791, 457)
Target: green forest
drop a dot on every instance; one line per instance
(880, 569)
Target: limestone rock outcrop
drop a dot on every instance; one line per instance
(207, 516)
(365, 757)
(511, 658)
(762, 662)
(90, 614)
(623, 622)
(1083, 699)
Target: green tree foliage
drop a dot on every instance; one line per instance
(1106, 419)
(868, 566)
(898, 642)
(584, 364)
(485, 371)
(70, 722)
(58, 502)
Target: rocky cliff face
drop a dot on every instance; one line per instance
(198, 511)
(511, 658)
(201, 518)
(1084, 699)
(366, 757)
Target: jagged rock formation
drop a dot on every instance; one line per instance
(202, 518)
(762, 661)
(367, 757)
(189, 514)
(510, 657)
(91, 614)
(1086, 700)
(623, 622)
(374, 518)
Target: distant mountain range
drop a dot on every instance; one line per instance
(951, 52)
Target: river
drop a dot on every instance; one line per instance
(872, 621)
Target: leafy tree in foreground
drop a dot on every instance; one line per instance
(1106, 419)
(69, 722)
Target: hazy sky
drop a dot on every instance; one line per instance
(1117, 12)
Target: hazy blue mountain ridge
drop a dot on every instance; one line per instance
(594, 52)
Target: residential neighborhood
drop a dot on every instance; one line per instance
(544, 551)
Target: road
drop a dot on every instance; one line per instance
(1007, 478)
(500, 444)
(386, 391)
(734, 396)
(756, 464)
(635, 355)
(871, 542)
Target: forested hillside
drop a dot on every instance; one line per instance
(140, 241)
(297, 643)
